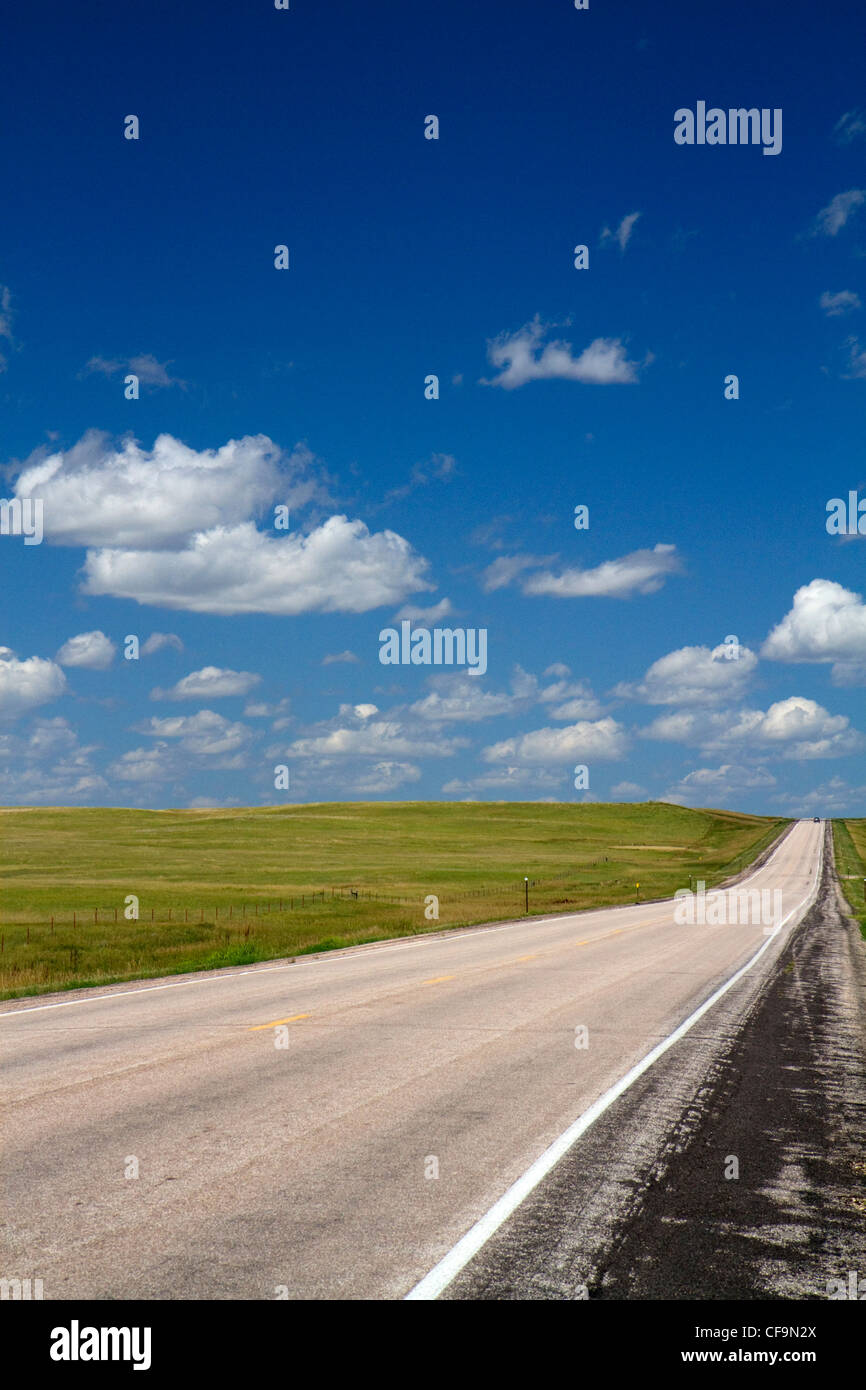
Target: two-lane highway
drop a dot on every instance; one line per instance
(334, 1128)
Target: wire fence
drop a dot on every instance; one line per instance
(241, 917)
(234, 916)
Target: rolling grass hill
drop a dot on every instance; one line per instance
(227, 887)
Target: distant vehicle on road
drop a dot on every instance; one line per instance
(816, 818)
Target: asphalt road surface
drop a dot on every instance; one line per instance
(376, 1154)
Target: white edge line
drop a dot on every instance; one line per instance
(443, 1273)
(205, 978)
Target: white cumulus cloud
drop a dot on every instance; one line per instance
(795, 728)
(460, 698)
(628, 790)
(210, 683)
(356, 732)
(157, 640)
(338, 567)
(585, 740)
(715, 786)
(206, 733)
(524, 356)
(156, 764)
(826, 623)
(642, 572)
(24, 685)
(99, 494)
(92, 650)
(693, 676)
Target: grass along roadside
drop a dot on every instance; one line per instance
(214, 887)
(849, 844)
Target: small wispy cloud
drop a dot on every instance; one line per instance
(438, 468)
(5, 321)
(641, 572)
(856, 361)
(145, 366)
(835, 305)
(831, 219)
(333, 657)
(505, 569)
(850, 127)
(622, 235)
(425, 615)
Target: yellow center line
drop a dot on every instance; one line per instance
(276, 1023)
(604, 936)
(516, 960)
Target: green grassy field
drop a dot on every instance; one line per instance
(849, 841)
(228, 887)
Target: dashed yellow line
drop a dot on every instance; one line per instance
(259, 1027)
(441, 979)
(618, 931)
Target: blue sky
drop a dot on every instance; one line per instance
(557, 387)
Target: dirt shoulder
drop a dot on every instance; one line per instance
(789, 1104)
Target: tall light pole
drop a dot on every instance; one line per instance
(526, 890)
